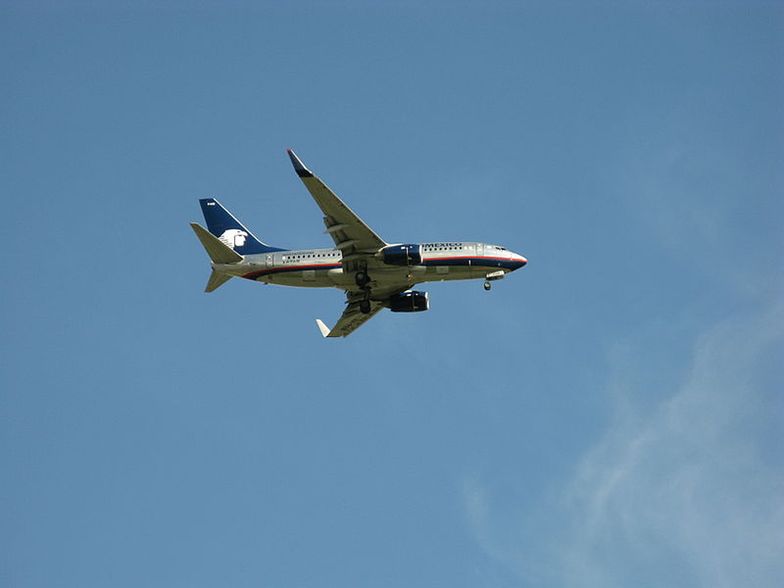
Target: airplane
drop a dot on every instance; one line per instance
(374, 274)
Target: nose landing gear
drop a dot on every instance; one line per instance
(491, 277)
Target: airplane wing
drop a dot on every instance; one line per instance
(352, 236)
(353, 318)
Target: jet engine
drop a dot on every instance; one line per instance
(409, 302)
(402, 254)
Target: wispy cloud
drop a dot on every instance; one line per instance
(687, 492)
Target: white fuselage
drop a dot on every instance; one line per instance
(323, 268)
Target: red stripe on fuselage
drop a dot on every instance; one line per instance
(467, 257)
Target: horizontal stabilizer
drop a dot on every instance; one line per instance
(218, 251)
(217, 279)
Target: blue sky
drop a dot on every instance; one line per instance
(610, 415)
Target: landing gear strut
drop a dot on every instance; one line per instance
(362, 279)
(487, 285)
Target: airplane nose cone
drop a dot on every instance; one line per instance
(521, 261)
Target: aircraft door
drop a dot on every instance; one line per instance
(478, 252)
(269, 260)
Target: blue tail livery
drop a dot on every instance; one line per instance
(228, 229)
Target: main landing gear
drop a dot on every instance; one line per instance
(363, 281)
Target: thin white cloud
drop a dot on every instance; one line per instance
(684, 493)
(691, 481)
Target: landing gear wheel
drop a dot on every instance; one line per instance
(487, 285)
(364, 306)
(361, 279)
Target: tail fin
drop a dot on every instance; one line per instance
(230, 231)
(218, 251)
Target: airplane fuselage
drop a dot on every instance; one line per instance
(323, 268)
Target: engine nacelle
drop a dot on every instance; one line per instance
(402, 254)
(409, 302)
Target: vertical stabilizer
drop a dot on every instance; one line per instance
(228, 229)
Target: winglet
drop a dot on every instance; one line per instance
(299, 167)
(323, 328)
